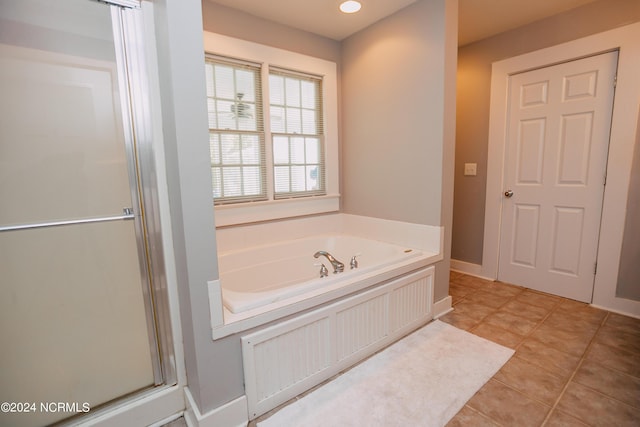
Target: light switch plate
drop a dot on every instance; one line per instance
(470, 169)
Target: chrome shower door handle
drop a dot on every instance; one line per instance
(508, 194)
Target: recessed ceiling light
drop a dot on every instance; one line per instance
(350, 6)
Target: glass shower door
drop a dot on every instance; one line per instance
(76, 322)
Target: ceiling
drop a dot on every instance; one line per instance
(478, 19)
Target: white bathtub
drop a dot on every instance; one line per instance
(262, 275)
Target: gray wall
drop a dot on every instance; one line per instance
(392, 117)
(629, 273)
(474, 84)
(395, 87)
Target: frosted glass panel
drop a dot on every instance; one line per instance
(62, 153)
(72, 319)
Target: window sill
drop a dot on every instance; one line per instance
(226, 215)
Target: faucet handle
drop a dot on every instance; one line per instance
(354, 262)
(324, 272)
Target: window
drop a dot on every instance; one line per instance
(273, 131)
(297, 134)
(236, 131)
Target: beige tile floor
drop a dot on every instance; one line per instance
(574, 365)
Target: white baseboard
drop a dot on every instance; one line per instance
(442, 307)
(468, 268)
(232, 414)
(167, 420)
(624, 311)
(147, 410)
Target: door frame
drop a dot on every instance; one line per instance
(624, 128)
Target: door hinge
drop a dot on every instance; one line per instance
(595, 267)
(615, 80)
(605, 179)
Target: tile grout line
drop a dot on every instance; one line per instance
(482, 414)
(538, 325)
(556, 308)
(575, 371)
(524, 394)
(495, 309)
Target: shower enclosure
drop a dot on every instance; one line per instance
(83, 317)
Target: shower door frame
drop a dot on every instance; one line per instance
(134, 88)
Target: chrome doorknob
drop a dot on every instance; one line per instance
(508, 193)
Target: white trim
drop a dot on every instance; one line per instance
(607, 299)
(245, 213)
(143, 411)
(232, 414)
(623, 136)
(168, 420)
(442, 307)
(624, 313)
(467, 268)
(131, 4)
(241, 213)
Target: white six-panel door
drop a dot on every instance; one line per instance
(557, 136)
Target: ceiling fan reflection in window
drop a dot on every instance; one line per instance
(239, 109)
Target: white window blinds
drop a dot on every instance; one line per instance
(236, 130)
(297, 133)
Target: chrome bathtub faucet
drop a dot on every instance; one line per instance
(338, 267)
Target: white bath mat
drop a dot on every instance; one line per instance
(422, 380)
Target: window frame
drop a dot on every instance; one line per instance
(241, 213)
